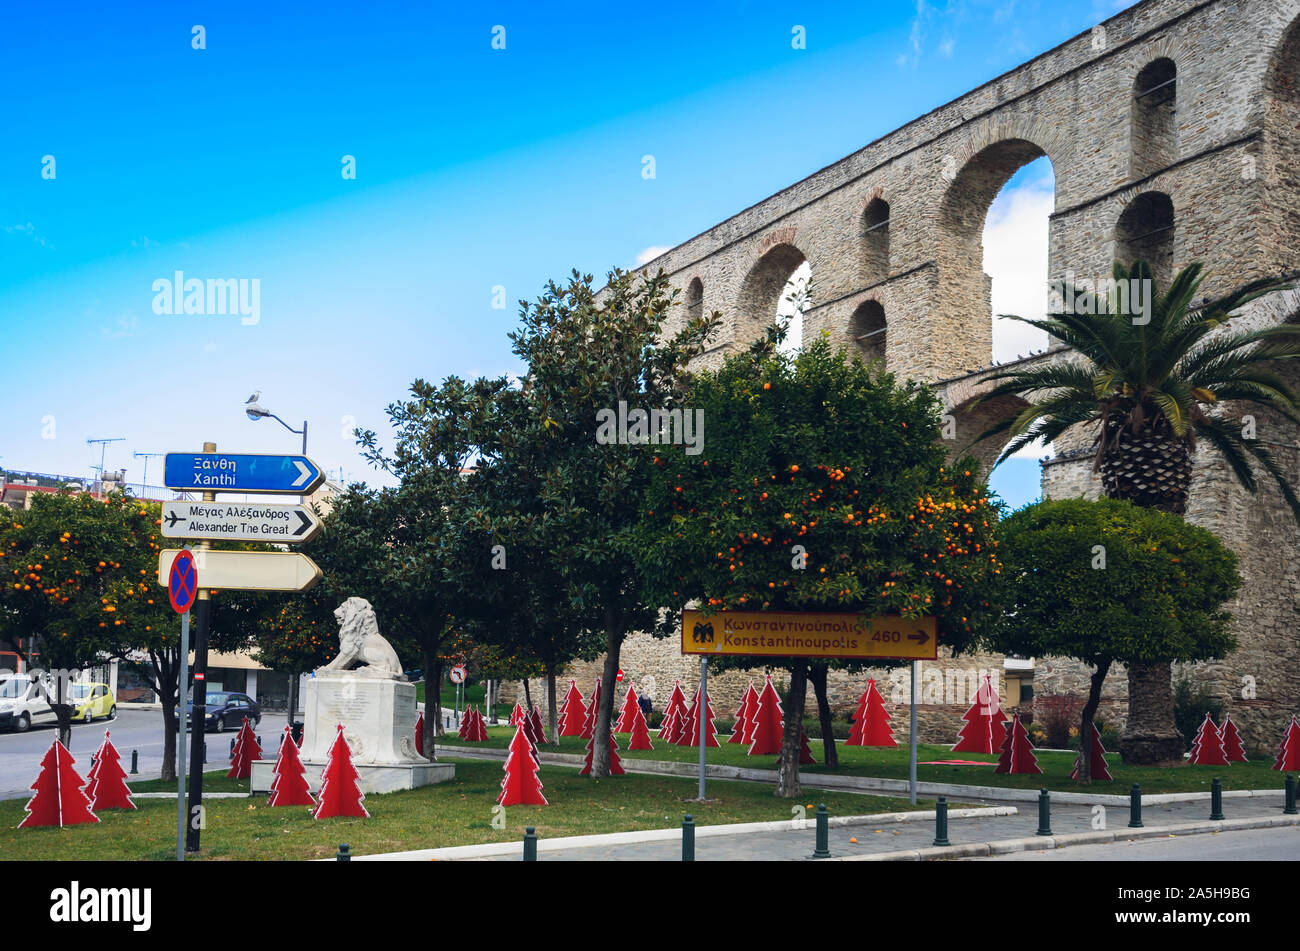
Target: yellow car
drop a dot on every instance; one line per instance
(92, 700)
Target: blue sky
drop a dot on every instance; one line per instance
(475, 168)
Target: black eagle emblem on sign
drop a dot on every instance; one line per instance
(702, 633)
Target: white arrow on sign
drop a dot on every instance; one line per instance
(303, 474)
(240, 521)
(246, 570)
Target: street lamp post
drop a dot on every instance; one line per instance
(255, 412)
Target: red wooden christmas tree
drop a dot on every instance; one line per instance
(59, 800)
(475, 727)
(805, 751)
(573, 712)
(615, 768)
(1207, 748)
(1098, 754)
(593, 711)
(289, 787)
(1232, 747)
(744, 715)
(1017, 752)
(766, 735)
(630, 708)
(671, 727)
(340, 793)
(517, 714)
(984, 731)
(640, 739)
(419, 733)
(691, 735)
(520, 786)
(246, 750)
(1288, 753)
(106, 786)
(538, 728)
(871, 722)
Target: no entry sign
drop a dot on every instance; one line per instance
(182, 583)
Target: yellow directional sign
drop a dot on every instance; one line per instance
(807, 634)
(246, 570)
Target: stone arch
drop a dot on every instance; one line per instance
(963, 317)
(1153, 120)
(1145, 232)
(875, 241)
(694, 299)
(964, 422)
(761, 290)
(1277, 170)
(868, 329)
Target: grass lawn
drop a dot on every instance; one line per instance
(452, 813)
(473, 696)
(892, 764)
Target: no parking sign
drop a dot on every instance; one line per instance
(183, 582)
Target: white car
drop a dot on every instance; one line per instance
(22, 703)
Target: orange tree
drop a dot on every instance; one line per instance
(81, 577)
(821, 487)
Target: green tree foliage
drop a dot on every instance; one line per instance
(1109, 581)
(817, 452)
(587, 352)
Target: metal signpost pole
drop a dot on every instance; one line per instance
(203, 611)
(703, 709)
(911, 740)
(181, 685)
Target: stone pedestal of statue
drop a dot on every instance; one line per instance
(378, 717)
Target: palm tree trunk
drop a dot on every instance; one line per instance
(1150, 736)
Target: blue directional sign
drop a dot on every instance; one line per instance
(224, 472)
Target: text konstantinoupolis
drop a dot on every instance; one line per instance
(655, 427)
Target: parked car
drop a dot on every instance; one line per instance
(23, 703)
(225, 709)
(91, 700)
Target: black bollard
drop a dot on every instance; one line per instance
(135, 761)
(345, 855)
(1044, 813)
(1135, 807)
(1289, 809)
(530, 844)
(941, 821)
(1216, 799)
(823, 849)
(232, 749)
(688, 839)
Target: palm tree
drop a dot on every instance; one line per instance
(1152, 382)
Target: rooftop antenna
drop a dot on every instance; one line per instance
(103, 447)
(144, 476)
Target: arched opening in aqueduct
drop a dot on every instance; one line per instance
(774, 289)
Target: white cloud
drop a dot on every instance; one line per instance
(1015, 256)
(649, 254)
(945, 48)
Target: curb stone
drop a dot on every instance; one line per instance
(663, 835)
(1037, 843)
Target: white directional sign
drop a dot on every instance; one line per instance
(247, 570)
(240, 521)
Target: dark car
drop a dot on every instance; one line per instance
(227, 710)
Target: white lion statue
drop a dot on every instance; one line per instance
(363, 651)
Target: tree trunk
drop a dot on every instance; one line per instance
(490, 695)
(787, 777)
(62, 711)
(293, 696)
(604, 715)
(1084, 776)
(171, 727)
(552, 721)
(1151, 736)
(528, 697)
(817, 673)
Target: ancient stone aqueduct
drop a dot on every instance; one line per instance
(1173, 130)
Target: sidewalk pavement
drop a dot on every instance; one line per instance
(984, 834)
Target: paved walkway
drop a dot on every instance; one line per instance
(911, 836)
